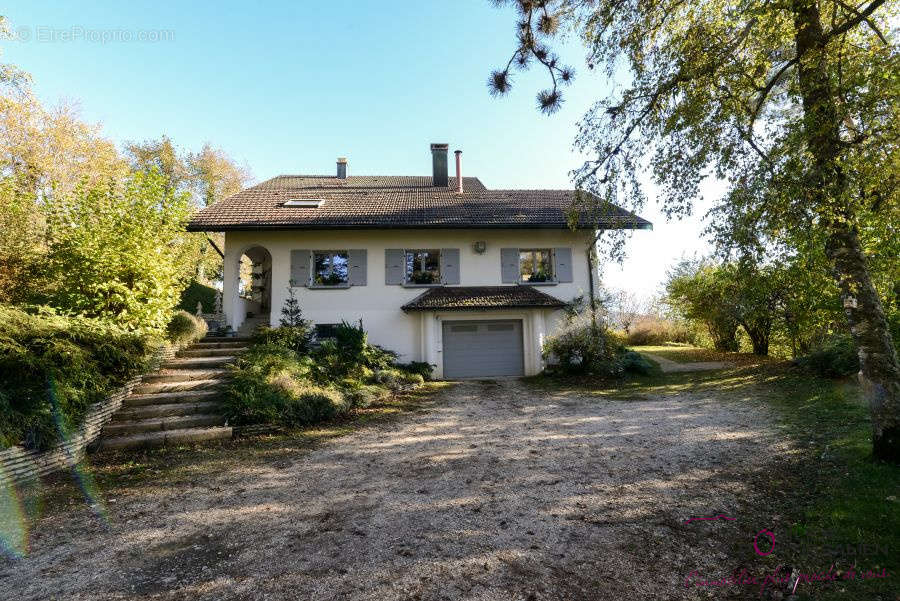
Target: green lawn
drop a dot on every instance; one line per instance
(685, 353)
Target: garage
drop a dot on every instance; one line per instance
(482, 349)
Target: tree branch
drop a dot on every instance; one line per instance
(861, 16)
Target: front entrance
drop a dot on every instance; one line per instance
(483, 349)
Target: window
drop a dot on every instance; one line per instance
(326, 330)
(330, 268)
(423, 267)
(304, 202)
(535, 265)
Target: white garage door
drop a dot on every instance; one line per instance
(483, 349)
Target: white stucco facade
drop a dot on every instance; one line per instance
(415, 336)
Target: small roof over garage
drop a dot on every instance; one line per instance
(467, 298)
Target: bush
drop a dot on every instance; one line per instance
(655, 331)
(421, 368)
(271, 384)
(185, 328)
(635, 363)
(365, 395)
(198, 293)
(52, 368)
(835, 359)
(582, 348)
(296, 338)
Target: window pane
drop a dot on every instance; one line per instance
(535, 265)
(423, 266)
(331, 268)
(526, 264)
(340, 267)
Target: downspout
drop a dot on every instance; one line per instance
(593, 299)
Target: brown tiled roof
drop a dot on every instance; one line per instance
(376, 202)
(461, 298)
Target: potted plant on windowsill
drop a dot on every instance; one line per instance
(422, 277)
(540, 276)
(331, 279)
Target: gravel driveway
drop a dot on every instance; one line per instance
(496, 491)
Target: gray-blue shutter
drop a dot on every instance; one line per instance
(562, 258)
(300, 267)
(358, 269)
(394, 266)
(450, 266)
(509, 265)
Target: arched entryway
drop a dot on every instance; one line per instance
(254, 287)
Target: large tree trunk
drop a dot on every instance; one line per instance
(827, 191)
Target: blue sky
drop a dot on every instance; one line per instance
(286, 87)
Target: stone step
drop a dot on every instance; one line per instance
(182, 375)
(166, 398)
(229, 344)
(164, 410)
(150, 440)
(200, 362)
(175, 422)
(210, 352)
(224, 339)
(179, 386)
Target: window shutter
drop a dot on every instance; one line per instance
(450, 266)
(358, 269)
(509, 265)
(394, 266)
(300, 267)
(562, 264)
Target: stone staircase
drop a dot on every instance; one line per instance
(179, 403)
(250, 324)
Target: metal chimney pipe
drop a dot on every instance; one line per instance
(459, 184)
(342, 168)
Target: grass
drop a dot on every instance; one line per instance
(828, 495)
(685, 353)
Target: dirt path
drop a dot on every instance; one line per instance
(496, 492)
(668, 366)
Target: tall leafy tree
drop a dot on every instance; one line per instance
(793, 103)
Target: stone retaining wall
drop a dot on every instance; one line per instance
(18, 464)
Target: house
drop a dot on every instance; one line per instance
(441, 270)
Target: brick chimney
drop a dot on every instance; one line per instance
(439, 165)
(342, 168)
(459, 183)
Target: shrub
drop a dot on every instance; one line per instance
(296, 338)
(655, 330)
(52, 368)
(271, 384)
(422, 368)
(835, 359)
(635, 363)
(185, 328)
(365, 395)
(198, 293)
(582, 348)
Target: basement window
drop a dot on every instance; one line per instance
(313, 203)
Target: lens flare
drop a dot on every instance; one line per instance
(80, 469)
(13, 523)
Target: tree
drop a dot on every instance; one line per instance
(161, 156)
(699, 291)
(214, 175)
(114, 251)
(793, 103)
(627, 306)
